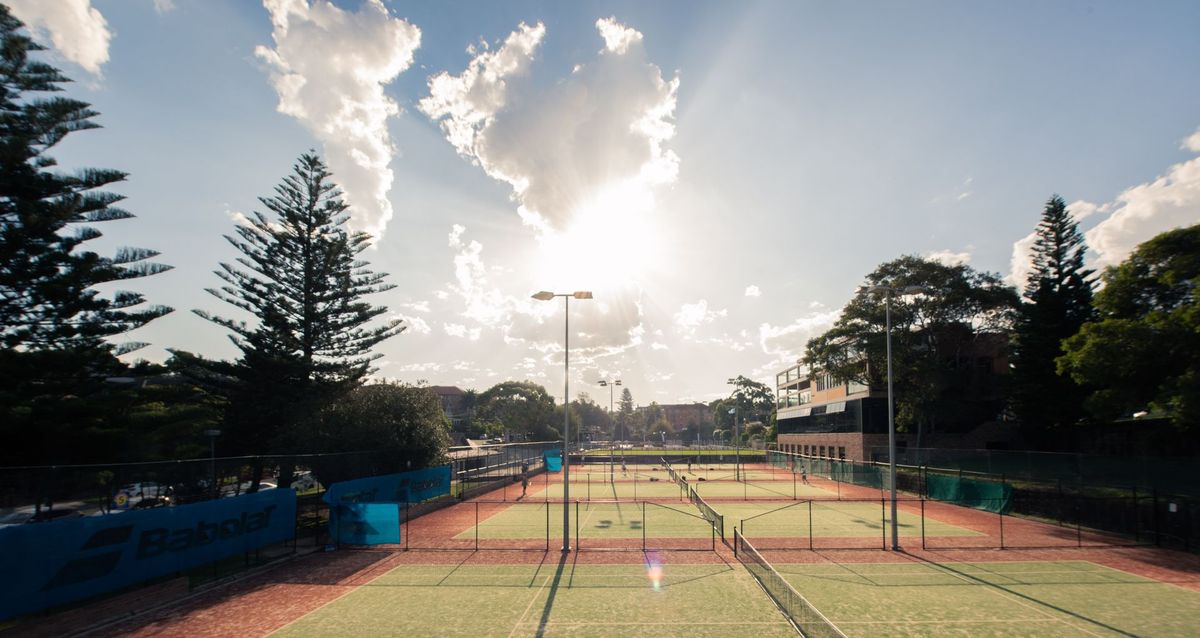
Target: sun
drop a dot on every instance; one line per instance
(611, 242)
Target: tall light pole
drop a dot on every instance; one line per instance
(548, 296)
(887, 292)
(737, 436)
(612, 446)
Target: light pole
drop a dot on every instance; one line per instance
(737, 436)
(212, 460)
(888, 291)
(548, 296)
(612, 445)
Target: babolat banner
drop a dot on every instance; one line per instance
(48, 564)
(358, 525)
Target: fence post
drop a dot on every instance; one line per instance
(476, 525)
(1001, 528)
(1157, 529)
(922, 522)
(1078, 525)
(407, 523)
(883, 521)
(1136, 517)
(643, 527)
(577, 525)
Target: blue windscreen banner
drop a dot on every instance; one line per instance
(49, 564)
(368, 523)
(407, 487)
(553, 460)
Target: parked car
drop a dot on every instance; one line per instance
(28, 516)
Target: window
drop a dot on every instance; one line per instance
(841, 453)
(806, 450)
(822, 450)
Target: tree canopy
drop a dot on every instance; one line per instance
(522, 408)
(1142, 352)
(938, 339)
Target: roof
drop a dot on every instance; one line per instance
(446, 390)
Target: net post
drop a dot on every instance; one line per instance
(643, 526)
(922, 522)
(810, 529)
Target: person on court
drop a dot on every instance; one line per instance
(524, 484)
(804, 475)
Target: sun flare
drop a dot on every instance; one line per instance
(611, 242)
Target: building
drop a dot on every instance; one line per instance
(454, 404)
(683, 416)
(819, 415)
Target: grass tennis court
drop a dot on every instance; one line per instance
(595, 486)
(595, 521)
(1064, 598)
(551, 599)
(830, 519)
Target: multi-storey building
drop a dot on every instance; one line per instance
(822, 416)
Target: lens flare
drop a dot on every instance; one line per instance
(654, 572)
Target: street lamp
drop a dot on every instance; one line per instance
(737, 437)
(548, 296)
(612, 446)
(887, 292)
(212, 459)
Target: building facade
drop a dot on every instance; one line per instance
(818, 415)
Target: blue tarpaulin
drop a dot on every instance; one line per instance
(553, 460)
(48, 564)
(370, 525)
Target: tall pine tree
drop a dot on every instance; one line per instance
(1058, 300)
(301, 279)
(54, 404)
(48, 299)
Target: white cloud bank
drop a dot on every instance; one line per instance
(329, 68)
(949, 257)
(76, 29)
(753, 291)
(560, 146)
(1134, 216)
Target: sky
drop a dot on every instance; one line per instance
(721, 175)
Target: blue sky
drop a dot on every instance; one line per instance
(722, 175)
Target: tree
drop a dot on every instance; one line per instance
(1059, 301)
(523, 407)
(301, 278)
(939, 341)
(48, 299)
(589, 420)
(402, 426)
(1142, 352)
(755, 401)
(625, 416)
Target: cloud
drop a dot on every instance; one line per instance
(1192, 142)
(163, 6)
(329, 68)
(949, 258)
(693, 315)
(461, 331)
(559, 145)
(1021, 262)
(789, 340)
(76, 29)
(417, 324)
(753, 291)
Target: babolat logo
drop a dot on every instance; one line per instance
(159, 541)
(96, 565)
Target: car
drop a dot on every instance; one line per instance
(131, 494)
(28, 516)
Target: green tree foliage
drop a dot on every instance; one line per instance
(525, 409)
(302, 280)
(402, 426)
(1143, 349)
(938, 341)
(48, 299)
(1059, 301)
(590, 419)
(626, 417)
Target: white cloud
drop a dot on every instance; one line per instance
(949, 257)
(1145, 210)
(163, 6)
(693, 315)
(329, 68)
(753, 291)
(76, 29)
(1192, 142)
(788, 341)
(659, 346)
(461, 331)
(560, 145)
(415, 324)
(1021, 262)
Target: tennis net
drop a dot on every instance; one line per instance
(717, 520)
(811, 622)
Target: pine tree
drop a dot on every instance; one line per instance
(48, 299)
(1058, 300)
(302, 280)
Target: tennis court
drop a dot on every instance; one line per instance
(1051, 598)
(558, 596)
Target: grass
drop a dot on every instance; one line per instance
(1065, 598)
(595, 521)
(830, 519)
(551, 599)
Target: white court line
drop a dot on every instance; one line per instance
(521, 620)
